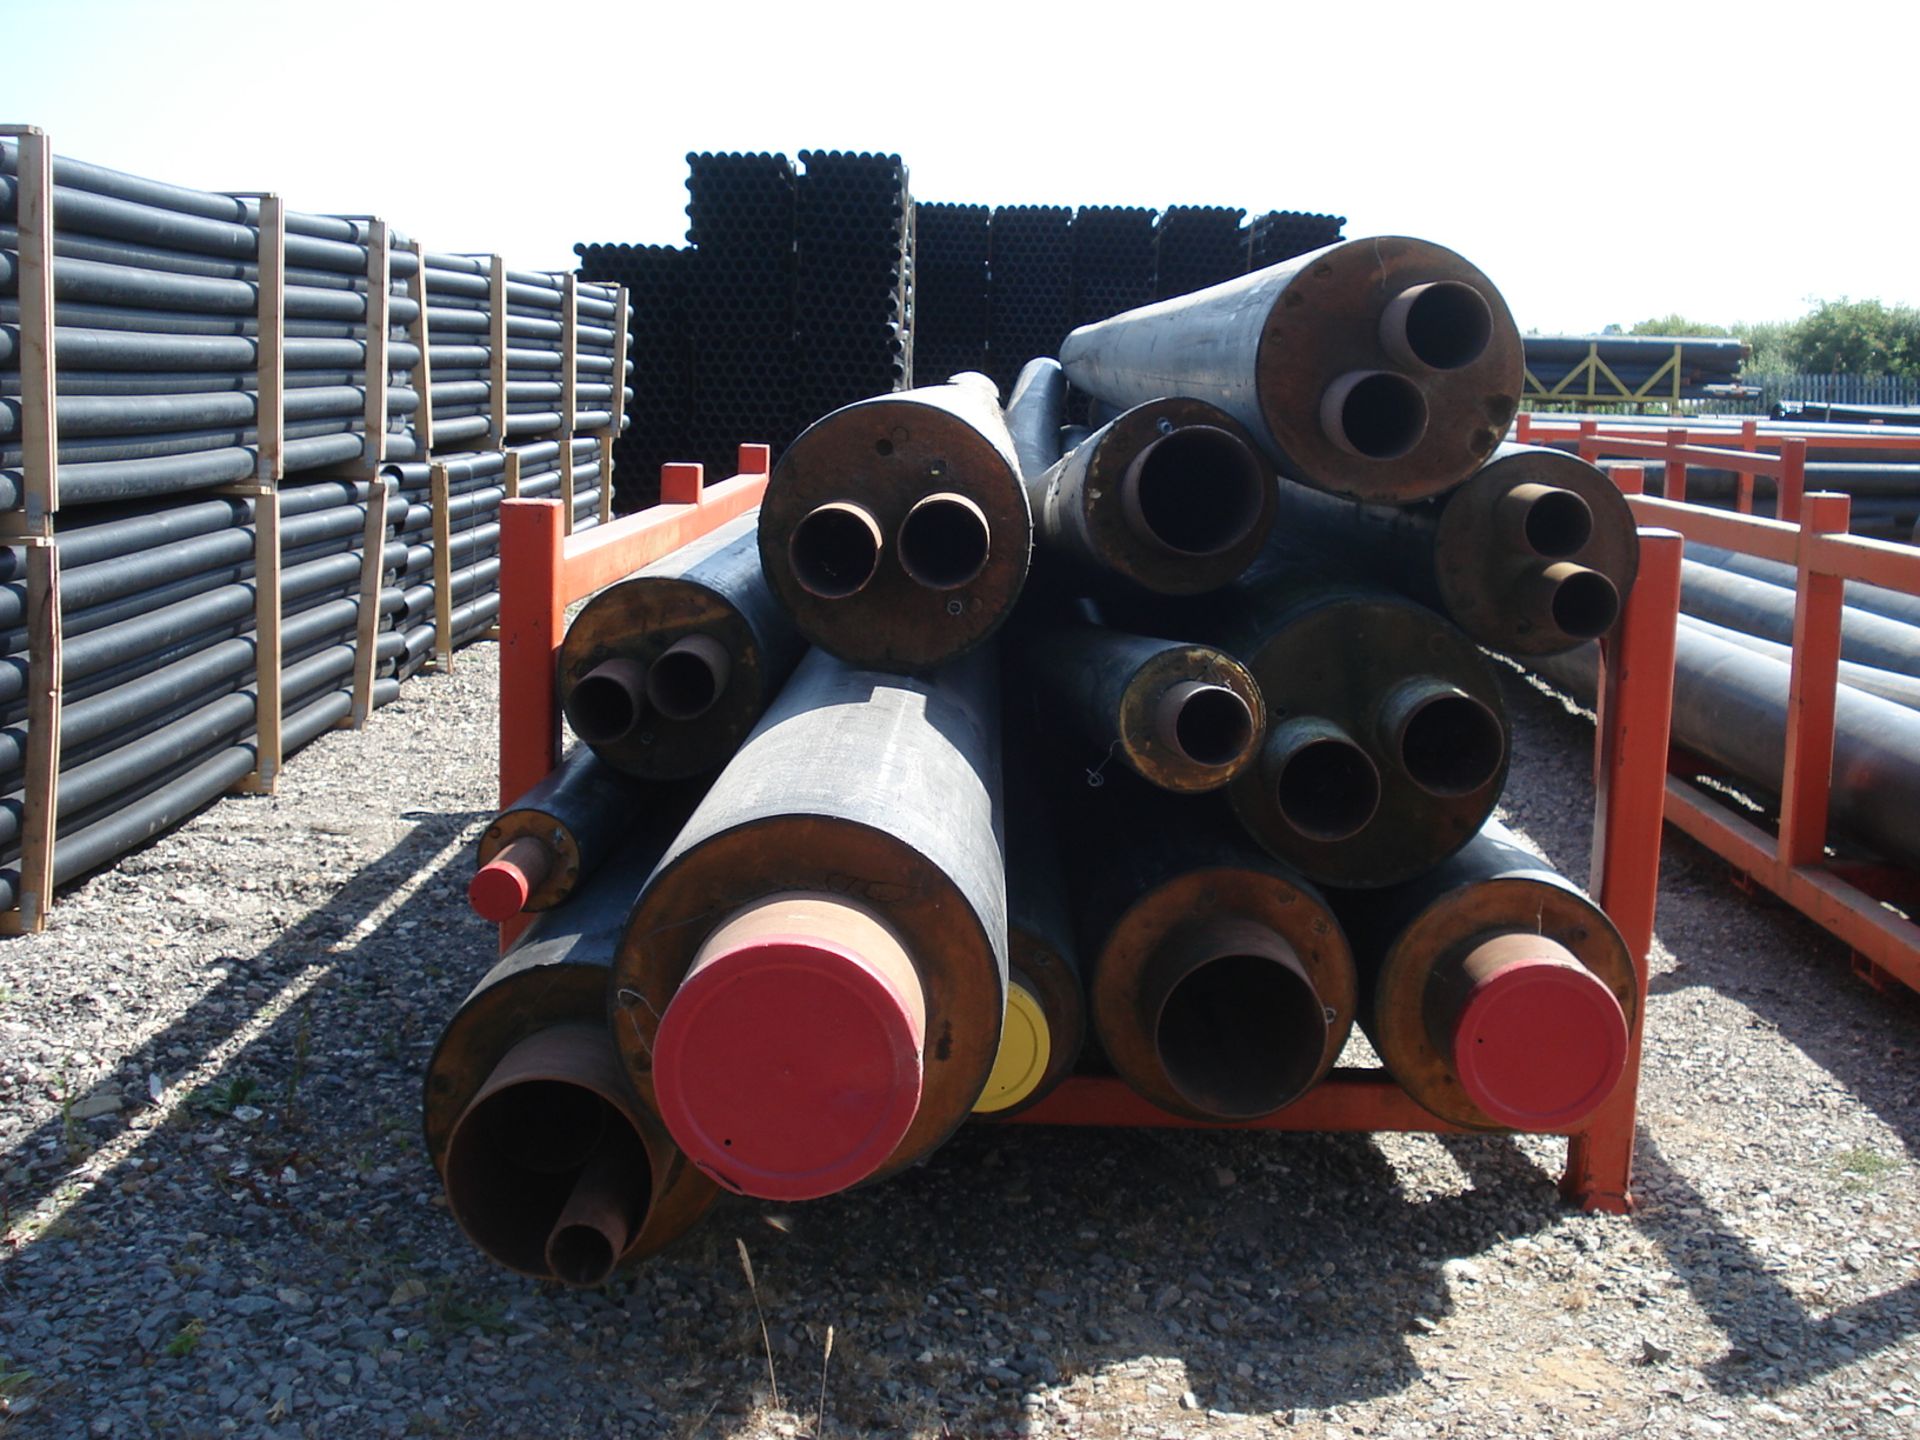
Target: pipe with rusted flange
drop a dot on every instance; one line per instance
(664, 673)
(1222, 987)
(1533, 554)
(552, 1165)
(896, 530)
(1185, 717)
(1384, 369)
(812, 982)
(552, 839)
(1174, 496)
(1496, 993)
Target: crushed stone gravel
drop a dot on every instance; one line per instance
(216, 1217)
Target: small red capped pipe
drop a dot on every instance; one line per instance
(500, 888)
(1538, 1040)
(789, 1063)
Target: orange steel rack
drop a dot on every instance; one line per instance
(543, 571)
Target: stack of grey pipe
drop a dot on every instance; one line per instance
(156, 346)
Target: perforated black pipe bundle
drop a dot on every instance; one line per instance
(1112, 261)
(1197, 246)
(1282, 234)
(852, 233)
(952, 315)
(1032, 268)
(660, 358)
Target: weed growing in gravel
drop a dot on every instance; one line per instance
(1861, 1168)
(224, 1099)
(69, 1127)
(451, 1313)
(185, 1340)
(766, 1343)
(302, 1045)
(12, 1381)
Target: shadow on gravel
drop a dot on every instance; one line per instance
(1774, 1342)
(229, 1004)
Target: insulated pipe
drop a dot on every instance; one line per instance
(1876, 599)
(1384, 369)
(665, 672)
(1386, 743)
(1222, 987)
(540, 849)
(916, 606)
(835, 1031)
(1184, 717)
(1535, 552)
(1036, 410)
(113, 480)
(1496, 993)
(1730, 707)
(1173, 496)
(1741, 603)
(1901, 689)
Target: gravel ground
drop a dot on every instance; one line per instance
(218, 1218)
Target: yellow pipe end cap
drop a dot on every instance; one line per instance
(1025, 1048)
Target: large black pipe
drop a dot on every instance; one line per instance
(1877, 599)
(113, 480)
(847, 863)
(1534, 552)
(1384, 369)
(1742, 603)
(1036, 410)
(1901, 689)
(84, 416)
(80, 348)
(1730, 708)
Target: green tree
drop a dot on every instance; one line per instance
(1856, 337)
(1678, 325)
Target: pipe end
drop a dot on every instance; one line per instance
(1540, 1042)
(498, 891)
(788, 1065)
(1026, 1047)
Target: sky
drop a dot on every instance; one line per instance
(1601, 164)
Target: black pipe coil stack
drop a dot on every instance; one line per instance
(156, 333)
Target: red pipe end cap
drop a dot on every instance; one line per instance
(499, 891)
(788, 1068)
(1539, 1044)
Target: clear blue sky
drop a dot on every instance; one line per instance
(1602, 164)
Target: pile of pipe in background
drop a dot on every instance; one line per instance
(978, 758)
(802, 289)
(157, 349)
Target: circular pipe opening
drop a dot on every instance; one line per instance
(1241, 1035)
(1374, 414)
(1325, 786)
(1451, 744)
(834, 550)
(1197, 491)
(1208, 724)
(608, 701)
(580, 1254)
(1585, 603)
(689, 677)
(1443, 325)
(944, 541)
(1558, 523)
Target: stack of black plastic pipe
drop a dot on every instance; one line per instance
(852, 251)
(1634, 360)
(156, 346)
(1196, 246)
(1282, 234)
(654, 276)
(978, 759)
(1032, 267)
(1112, 261)
(952, 316)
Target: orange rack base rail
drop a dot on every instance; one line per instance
(543, 571)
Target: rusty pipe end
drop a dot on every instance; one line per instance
(1444, 325)
(1578, 602)
(608, 701)
(1196, 491)
(1550, 521)
(689, 677)
(834, 550)
(597, 1223)
(1324, 785)
(944, 541)
(1448, 742)
(789, 1063)
(1374, 414)
(1238, 1028)
(1208, 724)
(500, 888)
(1536, 1039)
(553, 1109)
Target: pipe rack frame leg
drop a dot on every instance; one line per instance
(1635, 707)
